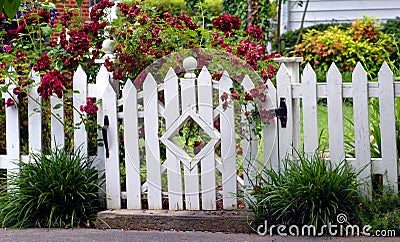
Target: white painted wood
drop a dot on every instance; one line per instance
(79, 99)
(249, 143)
(35, 116)
(153, 166)
(270, 132)
(12, 132)
(310, 111)
(335, 114)
(361, 126)
(208, 175)
(131, 142)
(284, 90)
(338, 11)
(113, 187)
(388, 126)
(192, 186)
(57, 122)
(171, 113)
(228, 147)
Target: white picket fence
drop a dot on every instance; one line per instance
(197, 182)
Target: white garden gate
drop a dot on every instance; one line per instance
(199, 181)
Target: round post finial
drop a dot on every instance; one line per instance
(190, 64)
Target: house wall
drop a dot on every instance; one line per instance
(333, 11)
(72, 4)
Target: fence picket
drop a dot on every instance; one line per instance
(335, 114)
(171, 113)
(205, 106)
(35, 116)
(192, 189)
(12, 131)
(388, 125)
(310, 111)
(113, 187)
(79, 98)
(153, 165)
(249, 143)
(270, 132)
(228, 147)
(361, 125)
(284, 90)
(57, 122)
(131, 142)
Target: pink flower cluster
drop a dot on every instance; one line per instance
(226, 23)
(90, 108)
(52, 82)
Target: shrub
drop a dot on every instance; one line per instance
(289, 38)
(363, 42)
(59, 190)
(308, 191)
(392, 26)
(382, 212)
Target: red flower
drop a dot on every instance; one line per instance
(248, 96)
(10, 102)
(90, 108)
(52, 82)
(43, 63)
(255, 33)
(226, 23)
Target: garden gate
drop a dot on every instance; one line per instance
(201, 180)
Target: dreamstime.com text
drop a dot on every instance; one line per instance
(341, 228)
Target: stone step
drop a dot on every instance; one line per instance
(213, 221)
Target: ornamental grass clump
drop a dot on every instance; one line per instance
(58, 190)
(307, 191)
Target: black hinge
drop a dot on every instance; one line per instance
(105, 138)
(281, 112)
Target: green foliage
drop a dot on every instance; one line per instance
(363, 42)
(308, 191)
(239, 8)
(289, 38)
(382, 212)
(393, 27)
(58, 190)
(175, 7)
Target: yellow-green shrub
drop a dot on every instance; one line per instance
(363, 42)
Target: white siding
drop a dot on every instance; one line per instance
(333, 11)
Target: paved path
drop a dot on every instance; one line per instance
(93, 235)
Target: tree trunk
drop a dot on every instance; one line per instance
(302, 22)
(279, 26)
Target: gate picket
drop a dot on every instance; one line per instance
(228, 146)
(79, 98)
(171, 113)
(205, 106)
(35, 116)
(153, 165)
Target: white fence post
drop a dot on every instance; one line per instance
(292, 65)
(284, 90)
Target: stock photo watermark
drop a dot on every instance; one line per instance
(340, 227)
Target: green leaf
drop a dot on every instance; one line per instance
(58, 106)
(11, 7)
(79, 2)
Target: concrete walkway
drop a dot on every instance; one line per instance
(109, 235)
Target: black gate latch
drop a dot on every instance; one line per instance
(281, 112)
(105, 138)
